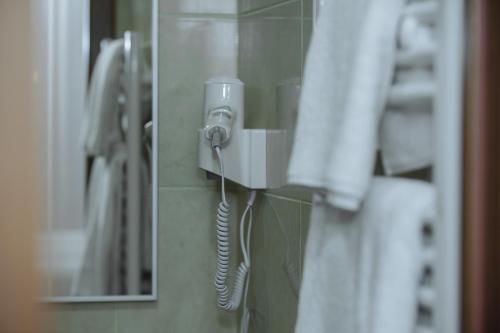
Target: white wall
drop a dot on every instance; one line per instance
(61, 40)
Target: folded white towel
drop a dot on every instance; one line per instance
(102, 124)
(361, 270)
(419, 57)
(406, 130)
(347, 75)
(405, 94)
(406, 139)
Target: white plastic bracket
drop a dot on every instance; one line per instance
(253, 158)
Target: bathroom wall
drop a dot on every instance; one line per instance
(133, 15)
(273, 38)
(197, 40)
(263, 43)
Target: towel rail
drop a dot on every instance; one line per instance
(405, 93)
(132, 46)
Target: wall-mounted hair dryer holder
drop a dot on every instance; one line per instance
(253, 158)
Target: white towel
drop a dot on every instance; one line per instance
(101, 272)
(347, 75)
(103, 224)
(361, 270)
(406, 130)
(102, 123)
(406, 139)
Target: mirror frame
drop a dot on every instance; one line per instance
(153, 296)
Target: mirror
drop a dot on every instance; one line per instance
(98, 135)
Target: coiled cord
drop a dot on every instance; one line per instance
(225, 300)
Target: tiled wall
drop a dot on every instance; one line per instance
(273, 37)
(199, 39)
(133, 15)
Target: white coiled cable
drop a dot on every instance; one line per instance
(225, 300)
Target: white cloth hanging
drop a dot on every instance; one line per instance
(101, 128)
(347, 75)
(362, 269)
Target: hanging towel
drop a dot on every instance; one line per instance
(347, 75)
(99, 273)
(102, 122)
(327, 300)
(362, 269)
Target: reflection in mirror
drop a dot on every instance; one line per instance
(95, 93)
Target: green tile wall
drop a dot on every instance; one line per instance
(193, 46)
(262, 42)
(133, 15)
(192, 49)
(276, 247)
(273, 38)
(245, 6)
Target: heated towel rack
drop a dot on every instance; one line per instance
(447, 59)
(132, 70)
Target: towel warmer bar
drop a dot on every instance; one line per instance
(132, 71)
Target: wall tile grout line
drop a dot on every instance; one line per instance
(282, 197)
(194, 187)
(214, 16)
(300, 238)
(307, 203)
(115, 325)
(260, 10)
(302, 53)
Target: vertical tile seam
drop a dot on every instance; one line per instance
(300, 238)
(115, 321)
(302, 40)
